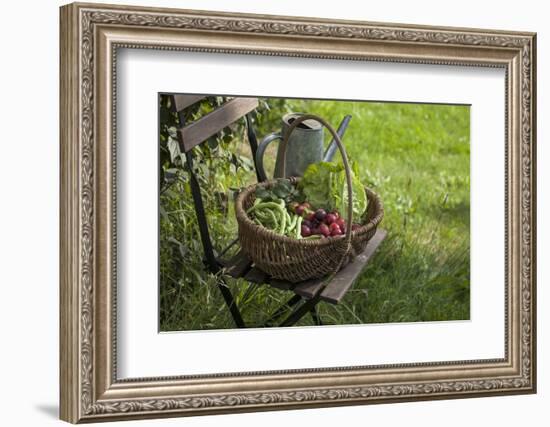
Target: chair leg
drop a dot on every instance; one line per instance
(231, 304)
(282, 310)
(301, 311)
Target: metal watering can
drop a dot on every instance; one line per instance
(304, 147)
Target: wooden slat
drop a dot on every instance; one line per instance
(281, 284)
(213, 122)
(345, 278)
(181, 102)
(255, 275)
(309, 288)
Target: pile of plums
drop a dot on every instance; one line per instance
(321, 222)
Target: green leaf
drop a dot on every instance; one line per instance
(246, 163)
(281, 193)
(284, 184)
(324, 186)
(174, 149)
(173, 132)
(170, 175)
(262, 193)
(213, 142)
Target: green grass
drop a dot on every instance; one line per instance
(417, 158)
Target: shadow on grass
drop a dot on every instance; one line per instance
(458, 213)
(411, 280)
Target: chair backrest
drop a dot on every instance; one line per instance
(193, 134)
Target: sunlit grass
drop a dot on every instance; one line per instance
(417, 158)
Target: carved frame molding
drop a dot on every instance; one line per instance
(90, 37)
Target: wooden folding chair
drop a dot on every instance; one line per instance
(306, 295)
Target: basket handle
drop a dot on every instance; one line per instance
(347, 169)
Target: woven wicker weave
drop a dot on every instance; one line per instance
(296, 260)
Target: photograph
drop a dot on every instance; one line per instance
(257, 229)
(273, 211)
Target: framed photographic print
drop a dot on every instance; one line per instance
(268, 212)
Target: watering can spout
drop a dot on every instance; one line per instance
(332, 147)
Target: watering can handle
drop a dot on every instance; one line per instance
(261, 151)
(332, 147)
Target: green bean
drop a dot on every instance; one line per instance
(313, 237)
(298, 230)
(264, 205)
(275, 220)
(274, 215)
(263, 215)
(270, 208)
(253, 207)
(298, 217)
(266, 217)
(277, 212)
(288, 222)
(292, 224)
(283, 220)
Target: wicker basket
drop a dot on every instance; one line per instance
(296, 260)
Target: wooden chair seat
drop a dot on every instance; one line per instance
(240, 266)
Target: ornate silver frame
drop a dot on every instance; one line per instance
(90, 36)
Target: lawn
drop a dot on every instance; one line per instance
(417, 158)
